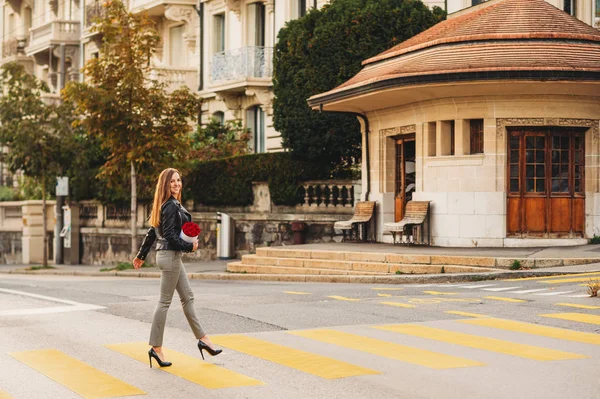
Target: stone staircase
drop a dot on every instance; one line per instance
(317, 262)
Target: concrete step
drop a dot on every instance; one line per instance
(441, 260)
(360, 267)
(239, 267)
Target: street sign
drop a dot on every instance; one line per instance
(62, 186)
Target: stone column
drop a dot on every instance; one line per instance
(33, 237)
(462, 137)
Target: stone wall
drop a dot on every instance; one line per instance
(11, 251)
(105, 235)
(112, 245)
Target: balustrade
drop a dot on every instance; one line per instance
(118, 212)
(176, 77)
(88, 212)
(242, 63)
(329, 193)
(67, 31)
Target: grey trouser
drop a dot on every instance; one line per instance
(173, 277)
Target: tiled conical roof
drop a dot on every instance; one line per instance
(499, 39)
(498, 20)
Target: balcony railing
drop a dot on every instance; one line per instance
(57, 31)
(176, 77)
(14, 46)
(242, 63)
(93, 11)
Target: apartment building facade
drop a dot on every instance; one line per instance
(221, 49)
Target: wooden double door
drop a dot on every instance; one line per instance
(546, 194)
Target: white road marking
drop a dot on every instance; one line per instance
(578, 296)
(554, 293)
(500, 289)
(448, 285)
(55, 309)
(73, 306)
(529, 291)
(46, 298)
(479, 286)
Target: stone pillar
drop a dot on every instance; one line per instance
(33, 237)
(443, 141)
(462, 137)
(262, 197)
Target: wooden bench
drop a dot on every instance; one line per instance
(363, 212)
(415, 215)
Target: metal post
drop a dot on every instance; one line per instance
(58, 240)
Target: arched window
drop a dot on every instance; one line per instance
(255, 121)
(219, 116)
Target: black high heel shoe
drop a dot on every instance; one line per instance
(152, 354)
(203, 346)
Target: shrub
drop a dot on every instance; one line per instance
(595, 239)
(516, 265)
(593, 288)
(8, 194)
(229, 181)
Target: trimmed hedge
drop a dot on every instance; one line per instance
(229, 181)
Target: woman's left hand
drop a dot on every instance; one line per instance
(137, 263)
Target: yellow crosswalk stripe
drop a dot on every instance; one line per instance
(555, 276)
(187, 367)
(398, 304)
(458, 312)
(534, 329)
(307, 362)
(387, 349)
(501, 298)
(566, 280)
(387, 289)
(577, 305)
(343, 298)
(440, 293)
(5, 395)
(296, 293)
(580, 317)
(478, 342)
(75, 375)
(385, 295)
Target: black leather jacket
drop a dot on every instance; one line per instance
(172, 216)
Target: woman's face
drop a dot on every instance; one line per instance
(175, 184)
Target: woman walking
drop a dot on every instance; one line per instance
(166, 219)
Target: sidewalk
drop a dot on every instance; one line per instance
(579, 251)
(216, 270)
(215, 266)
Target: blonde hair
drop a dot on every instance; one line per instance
(162, 194)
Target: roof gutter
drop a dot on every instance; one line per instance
(529, 75)
(366, 121)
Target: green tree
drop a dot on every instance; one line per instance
(38, 134)
(217, 140)
(143, 128)
(324, 49)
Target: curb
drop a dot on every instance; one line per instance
(367, 279)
